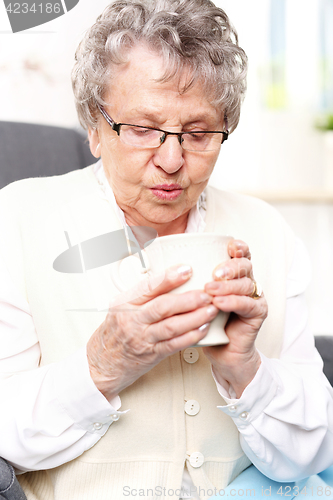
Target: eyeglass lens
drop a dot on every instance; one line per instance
(150, 138)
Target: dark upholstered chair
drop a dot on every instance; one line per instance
(29, 150)
(10, 488)
(324, 344)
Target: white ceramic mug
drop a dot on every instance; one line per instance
(202, 251)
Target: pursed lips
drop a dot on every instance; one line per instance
(167, 192)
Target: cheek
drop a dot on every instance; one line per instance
(133, 167)
(123, 162)
(128, 173)
(201, 169)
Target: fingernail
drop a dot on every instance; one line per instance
(221, 273)
(238, 244)
(211, 310)
(206, 298)
(184, 271)
(204, 327)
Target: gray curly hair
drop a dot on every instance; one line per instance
(191, 34)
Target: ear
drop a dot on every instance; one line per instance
(95, 146)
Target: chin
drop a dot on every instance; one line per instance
(162, 215)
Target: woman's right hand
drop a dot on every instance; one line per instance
(138, 335)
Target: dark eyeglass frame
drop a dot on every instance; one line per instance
(116, 127)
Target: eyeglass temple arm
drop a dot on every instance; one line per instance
(226, 133)
(115, 126)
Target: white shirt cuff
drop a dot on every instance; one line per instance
(80, 398)
(256, 396)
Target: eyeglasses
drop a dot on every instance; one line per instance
(149, 137)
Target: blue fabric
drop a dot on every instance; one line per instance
(252, 484)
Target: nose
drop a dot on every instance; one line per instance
(169, 156)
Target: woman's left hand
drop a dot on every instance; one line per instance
(233, 285)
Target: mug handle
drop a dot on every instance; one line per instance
(115, 269)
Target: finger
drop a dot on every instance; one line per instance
(242, 286)
(182, 323)
(238, 248)
(180, 342)
(243, 306)
(233, 269)
(167, 305)
(154, 286)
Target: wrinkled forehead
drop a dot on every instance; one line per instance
(143, 65)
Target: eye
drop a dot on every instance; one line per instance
(196, 136)
(141, 131)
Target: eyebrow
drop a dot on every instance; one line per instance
(153, 114)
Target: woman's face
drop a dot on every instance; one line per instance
(155, 187)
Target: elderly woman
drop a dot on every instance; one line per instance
(158, 85)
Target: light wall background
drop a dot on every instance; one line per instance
(275, 153)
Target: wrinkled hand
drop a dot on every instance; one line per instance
(136, 336)
(238, 361)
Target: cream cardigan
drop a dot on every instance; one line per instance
(148, 446)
